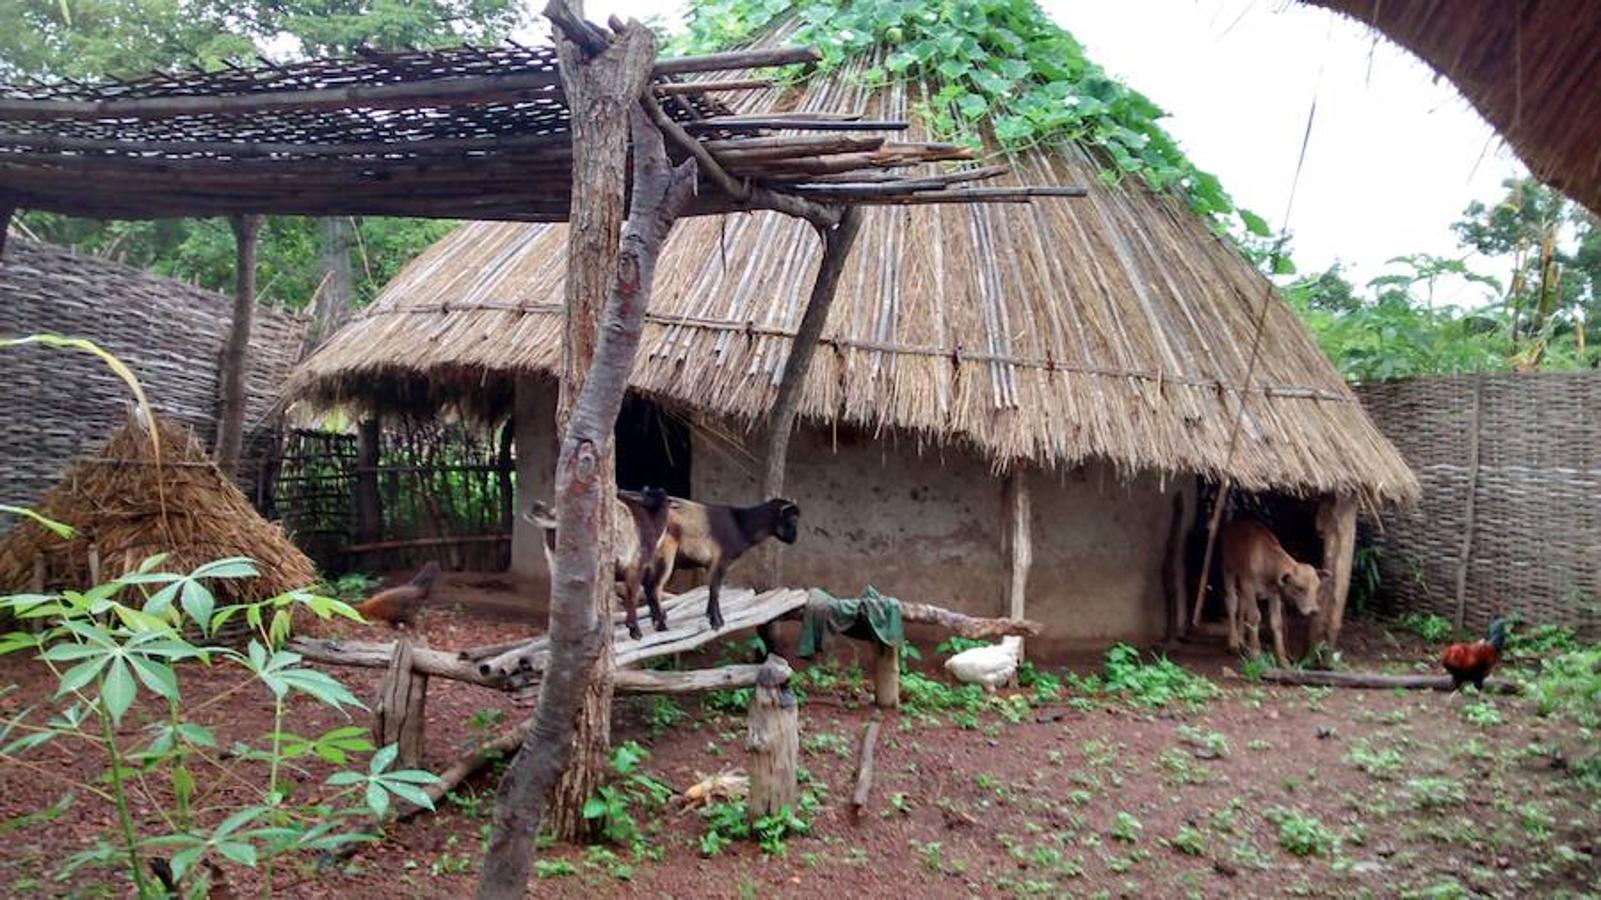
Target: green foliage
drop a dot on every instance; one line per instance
(612, 806)
(110, 643)
(1430, 627)
(662, 713)
(1158, 682)
(1436, 792)
(1000, 63)
(1126, 828)
(729, 821)
(553, 868)
(1380, 764)
(1482, 713)
(728, 702)
(957, 644)
(1189, 841)
(1302, 835)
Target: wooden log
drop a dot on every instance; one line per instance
(398, 715)
(864, 768)
(440, 541)
(887, 676)
(966, 625)
(367, 655)
(773, 741)
(468, 763)
(650, 681)
(798, 122)
(708, 87)
(1377, 681)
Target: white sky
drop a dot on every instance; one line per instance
(1394, 154)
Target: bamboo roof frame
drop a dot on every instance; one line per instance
(469, 132)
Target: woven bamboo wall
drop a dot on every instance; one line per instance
(59, 404)
(1511, 472)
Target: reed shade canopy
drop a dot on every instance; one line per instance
(1116, 326)
(1530, 67)
(462, 133)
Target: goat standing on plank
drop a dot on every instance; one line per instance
(1255, 567)
(713, 537)
(638, 520)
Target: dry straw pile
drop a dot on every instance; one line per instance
(127, 508)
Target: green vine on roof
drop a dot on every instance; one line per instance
(1000, 63)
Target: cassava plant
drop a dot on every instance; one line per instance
(176, 830)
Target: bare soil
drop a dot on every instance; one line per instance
(1107, 800)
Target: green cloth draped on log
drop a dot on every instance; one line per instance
(871, 616)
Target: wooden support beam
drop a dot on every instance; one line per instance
(773, 741)
(1016, 525)
(1336, 525)
(6, 212)
(369, 506)
(399, 714)
(369, 655)
(1465, 556)
(837, 243)
(236, 351)
(886, 676)
(694, 681)
(708, 87)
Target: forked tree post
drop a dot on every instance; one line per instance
(400, 713)
(235, 353)
(1336, 525)
(583, 468)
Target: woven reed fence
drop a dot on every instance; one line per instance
(444, 493)
(1510, 518)
(59, 405)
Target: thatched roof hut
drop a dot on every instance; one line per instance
(1529, 67)
(1066, 339)
(124, 507)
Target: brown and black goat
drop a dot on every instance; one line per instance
(638, 520)
(703, 535)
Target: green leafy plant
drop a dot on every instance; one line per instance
(1125, 828)
(129, 638)
(1436, 792)
(1189, 841)
(661, 713)
(1302, 835)
(1430, 627)
(1158, 682)
(729, 821)
(612, 806)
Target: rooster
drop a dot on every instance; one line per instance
(1474, 662)
(399, 605)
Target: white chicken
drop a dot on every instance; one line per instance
(991, 666)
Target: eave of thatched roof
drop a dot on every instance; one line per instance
(1531, 68)
(1115, 327)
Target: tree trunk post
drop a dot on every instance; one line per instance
(837, 243)
(336, 292)
(886, 676)
(1016, 521)
(399, 714)
(773, 739)
(6, 212)
(1336, 525)
(583, 471)
(235, 353)
(369, 507)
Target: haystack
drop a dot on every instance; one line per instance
(126, 507)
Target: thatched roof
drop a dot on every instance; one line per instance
(127, 508)
(1530, 67)
(1109, 327)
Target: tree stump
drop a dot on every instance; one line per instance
(773, 740)
(399, 713)
(887, 677)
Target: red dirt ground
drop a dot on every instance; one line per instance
(1067, 802)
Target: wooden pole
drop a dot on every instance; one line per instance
(6, 212)
(369, 507)
(887, 676)
(399, 714)
(1174, 567)
(773, 739)
(864, 768)
(583, 472)
(1466, 554)
(235, 353)
(1019, 541)
(1376, 681)
(837, 243)
(1336, 525)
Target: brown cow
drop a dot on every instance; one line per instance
(1255, 567)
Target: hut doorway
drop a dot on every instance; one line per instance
(652, 448)
(1293, 521)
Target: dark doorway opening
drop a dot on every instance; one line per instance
(652, 448)
(1293, 521)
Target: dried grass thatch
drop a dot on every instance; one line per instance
(1530, 67)
(1114, 327)
(127, 509)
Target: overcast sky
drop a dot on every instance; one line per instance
(1394, 154)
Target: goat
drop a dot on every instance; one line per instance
(1255, 566)
(712, 537)
(399, 605)
(637, 524)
